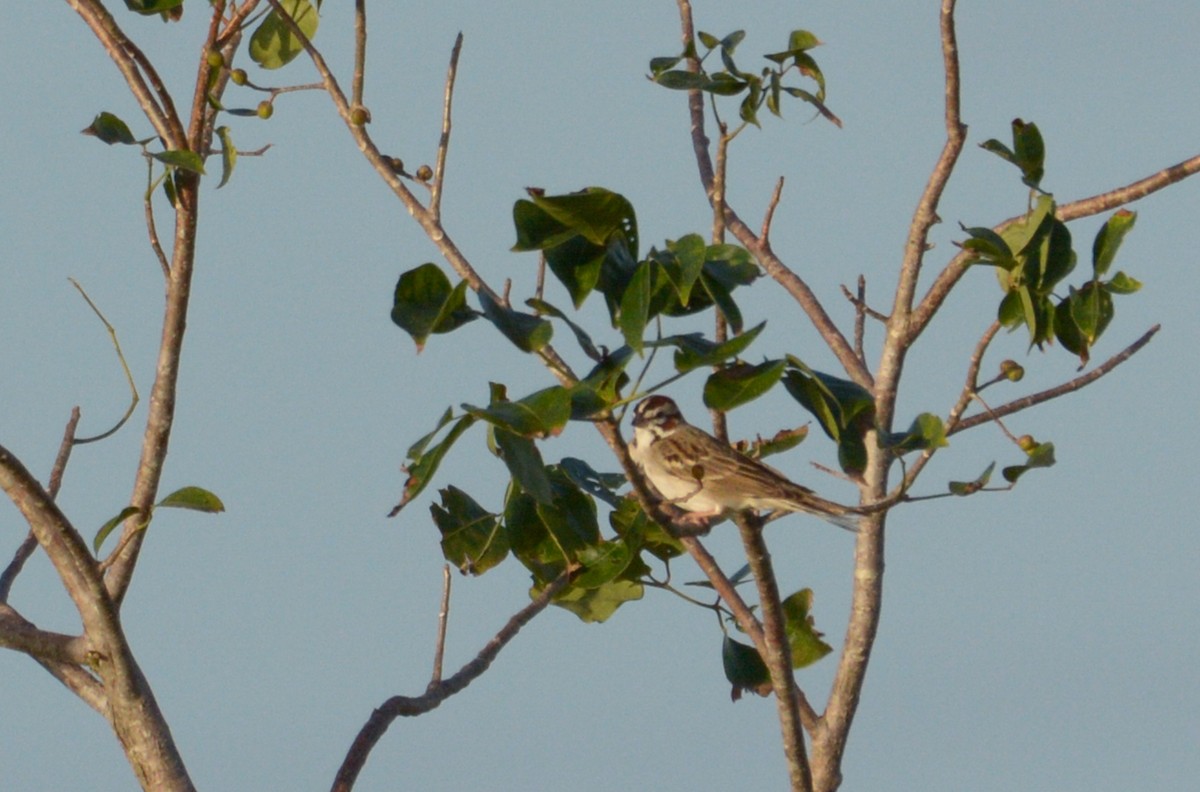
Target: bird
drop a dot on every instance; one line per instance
(709, 479)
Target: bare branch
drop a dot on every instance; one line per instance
(112, 335)
(409, 706)
(439, 167)
(1025, 402)
(153, 98)
(760, 246)
(439, 650)
(778, 654)
(360, 53)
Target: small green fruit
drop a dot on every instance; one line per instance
(1011, 370)
(215, 59)
(360, 115)
(238, 76)
(265, 109)
(424, 173)
(1027, 443)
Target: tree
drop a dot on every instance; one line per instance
(857, 409)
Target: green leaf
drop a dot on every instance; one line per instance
(524, 463)
(425, 303)
(194, 498)
(540, 414)
(1109, 238)
(598, 485)
(179, 158)
(584, 340)
(423, 464)
(709, 40)
(529, 333)
(720, 295)
(228, 155)
(594, 605)
(629, 521)
(926, 431)
(803, 638)
(472, 537)
(680, 80)
(1019, 234)
(660, 65)
(109, 129)
(999, 149)
(596, 214)
(1122, 284)
(635, 307)
(1040, 456)
(963, 488)
(694, 351)
(109, 526)
(1091, 309)
(148, 7)
(600, 389)
(682, 262)
(735, 385)
(273, 45)
(744, 668)
(1029, 151)
(987, 247)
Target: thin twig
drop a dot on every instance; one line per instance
(439, 166)
(26, 548)
(407, 706)
(792, 283)
(439, 650)
(1025, 402)
(769, 216)
(134, 398)
(360, 53)
(151, 228)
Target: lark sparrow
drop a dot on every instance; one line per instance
(707, 478)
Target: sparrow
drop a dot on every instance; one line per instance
(710, 479)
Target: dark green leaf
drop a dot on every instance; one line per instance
(635, 307)
(1029, 151)
(1109, 238)
(109, 129)
(694, 351)
(194, 498)
(540, 414)
(987, 247)
(527, 332)
(273, 44)
(472, 538)
(425, 303)
(148, 7)
(598, 485)
(1091, 309)
(730, 42)
(584, 340)
(596, 214)
(733, 386)
(971, 487)
(632, 524)
(720, 295)
(424, 464)
(744, 668)
(659, 65)
(680, 80)
(178, 158)
(600, 389)
(111, 525)
(228, 155)
(723, 84)
(682, 262)
(709, 40)
(999, 149)
(524, 462)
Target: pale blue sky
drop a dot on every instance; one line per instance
(1041, 639)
